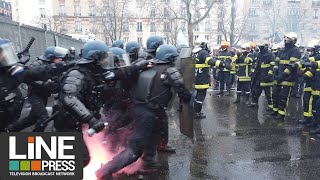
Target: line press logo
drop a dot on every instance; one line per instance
(41, 155)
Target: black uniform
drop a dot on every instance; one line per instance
(152, 94)
(225, 77)
(287, 74)
(203, 62)
(10, 95)
(39, 93)
(244, 63)
(263, 77)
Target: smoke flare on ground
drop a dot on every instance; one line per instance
(102, 151)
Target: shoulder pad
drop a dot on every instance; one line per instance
(75, 73)
(36, 63)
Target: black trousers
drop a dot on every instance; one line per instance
(10, 111)
(243, 86)
(307, 104)
(233, 79)
(256, 93)
(164, 135)
(200, 96)
(276, 97)
(38, 114)
(298, 87)
(285, 94)
(225, 78)
(144, 139)
(316, 107)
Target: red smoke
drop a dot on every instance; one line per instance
(102, 151)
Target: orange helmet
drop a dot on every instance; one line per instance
(252, 45)
(225, 45)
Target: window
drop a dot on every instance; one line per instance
(293, 12)
(196, 28)
(315, 3)
(42, 12)
(220, 26)
(183, 13)
(221, 12)
(139, 27)
(165, 12)
(253, 27)
(77, 10)
(126, 39)
(207, 25)
(62, 10)
(267, 2)
(196, 37)
(42, 1)
(253, 12)
(152, 27)
(92, 11)
(315, 14)
(153, 13)
(166, 26)
(219, 39)
(255, 1)
(292, 27)
(140, 40)
(183, 26)
(207, 37)
(293, 1)
(126, 26)
(78, 26)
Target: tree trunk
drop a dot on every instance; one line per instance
(190, 34)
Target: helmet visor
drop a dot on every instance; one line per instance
(106, 61)
(122, 60)
(8, 56)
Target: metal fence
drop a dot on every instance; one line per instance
(21, 34)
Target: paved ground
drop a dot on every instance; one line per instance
(236, 142)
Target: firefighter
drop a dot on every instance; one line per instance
(203, 61)
(244, 63)
(225, 56)
(233, 66)
(288, 56)
(262, 77)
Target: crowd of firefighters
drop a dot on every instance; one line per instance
(280, 70)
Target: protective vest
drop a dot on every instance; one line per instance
(226, 58)
(244, 63)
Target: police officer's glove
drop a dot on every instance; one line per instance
(143, 65)
(15, 70)
(95, 126)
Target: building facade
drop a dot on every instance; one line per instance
(269, 18)
(5, 9)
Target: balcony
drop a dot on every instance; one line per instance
(294, 1)
(267, 2)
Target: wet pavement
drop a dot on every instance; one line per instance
(237, 142)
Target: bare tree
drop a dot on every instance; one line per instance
(114, 18)
(231, 22)
(46, 21)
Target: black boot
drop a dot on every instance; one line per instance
(305, 120)
(150, 163)
(199, 115)
(316, 131)
(238, 98)
(228, 93)
(253, 104)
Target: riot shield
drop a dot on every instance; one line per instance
(186, 66)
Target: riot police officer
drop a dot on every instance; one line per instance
(118, 43)
(148, 109)
(40, 91)
(82, 87)
(153, 42)
(133, 48)
(12, 75)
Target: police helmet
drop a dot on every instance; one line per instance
(153, 43)
(96, 51)
(53, 52)
(120, 57)
(166, 53)
(118, 43)
(133, 49)
(8, 55)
